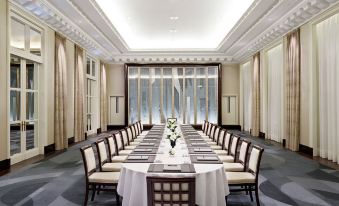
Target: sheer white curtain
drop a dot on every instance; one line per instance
(328, 70)
(275, 93)
(247, 94)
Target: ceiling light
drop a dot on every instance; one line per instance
(174, 18)
(173, 30)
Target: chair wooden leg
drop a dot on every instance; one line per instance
(93, 194)
(257, 195)
(86, 196)
(250, 191)
(99, 187)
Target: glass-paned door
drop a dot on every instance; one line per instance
(23, 114)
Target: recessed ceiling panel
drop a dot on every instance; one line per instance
(173, 24)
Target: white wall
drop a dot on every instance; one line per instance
(115, 87)
(3, 81)
(230, 86)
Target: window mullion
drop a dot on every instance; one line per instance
(139, 95)
(206, 93)
(195, 94)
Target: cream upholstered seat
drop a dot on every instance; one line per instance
(226, 158)
(240, 177)
(130, 147)
(239, 166)
(104, 177)
(171, 191)
(105, 166)
(125, 152)
(233, 167)
(247, 181)
(94, 179)
(233, 151)
(111, 167)
(112, 150)
(216, 147)
(119, 158)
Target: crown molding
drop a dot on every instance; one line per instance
(60, 23)
(298, 16)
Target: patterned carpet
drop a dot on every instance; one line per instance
(286, 178)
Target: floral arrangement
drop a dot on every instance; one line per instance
(173, 136)
(172, 124)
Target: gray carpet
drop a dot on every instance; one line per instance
(286, 178)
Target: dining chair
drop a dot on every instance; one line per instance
(94, 179)
(248, 181)
(170, 191)
(226, 145)
(120, 143)
(134, 133)
(232, 156)
(214, 136)
(104, 164)
(220, 140)
(240, 165)
(203, 130)
(127, 134)
(113, 150)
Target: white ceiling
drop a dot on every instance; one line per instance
(173, 24)
(206, 30)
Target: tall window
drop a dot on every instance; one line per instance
(188, 93)
(90, 93)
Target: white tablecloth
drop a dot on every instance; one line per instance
(211, 183)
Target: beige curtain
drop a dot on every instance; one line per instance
(79, 97)
(256, 96)
(103, 99)
(61, 141)
(293, 90)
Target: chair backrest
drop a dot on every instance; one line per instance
(102, 152)
(124, 136)
(119, 141)
(134, 134)
(221, 138)
(170, 191)
(245, 145)
(88, 158)
(129, 133)
(141, 126)
(227, 141)
(203, 126)
(216, 133)
(209, 127)
(212, 131)
(234, 146)
(255, 159)
(112, 146)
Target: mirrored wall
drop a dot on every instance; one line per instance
(189, 93)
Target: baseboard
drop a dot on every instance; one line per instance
(232, 127)
(284, 142)
(262, 135)
(115, 127)
(71, 140)
(306, 149)
(49, 149)
(5, 164)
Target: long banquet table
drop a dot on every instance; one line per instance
(191, 152)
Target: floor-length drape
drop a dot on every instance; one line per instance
(255, 123)
(275, 93)
(328, 71)
(293, 90)
(60, 137)
(247, 95)
(79, 98)
(103, 99)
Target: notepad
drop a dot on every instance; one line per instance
(142, 150)
(146, 144)
(207, 158)
(198, 143)
(202, 150)
(137, 157)
(172, 167)
(196, 139)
